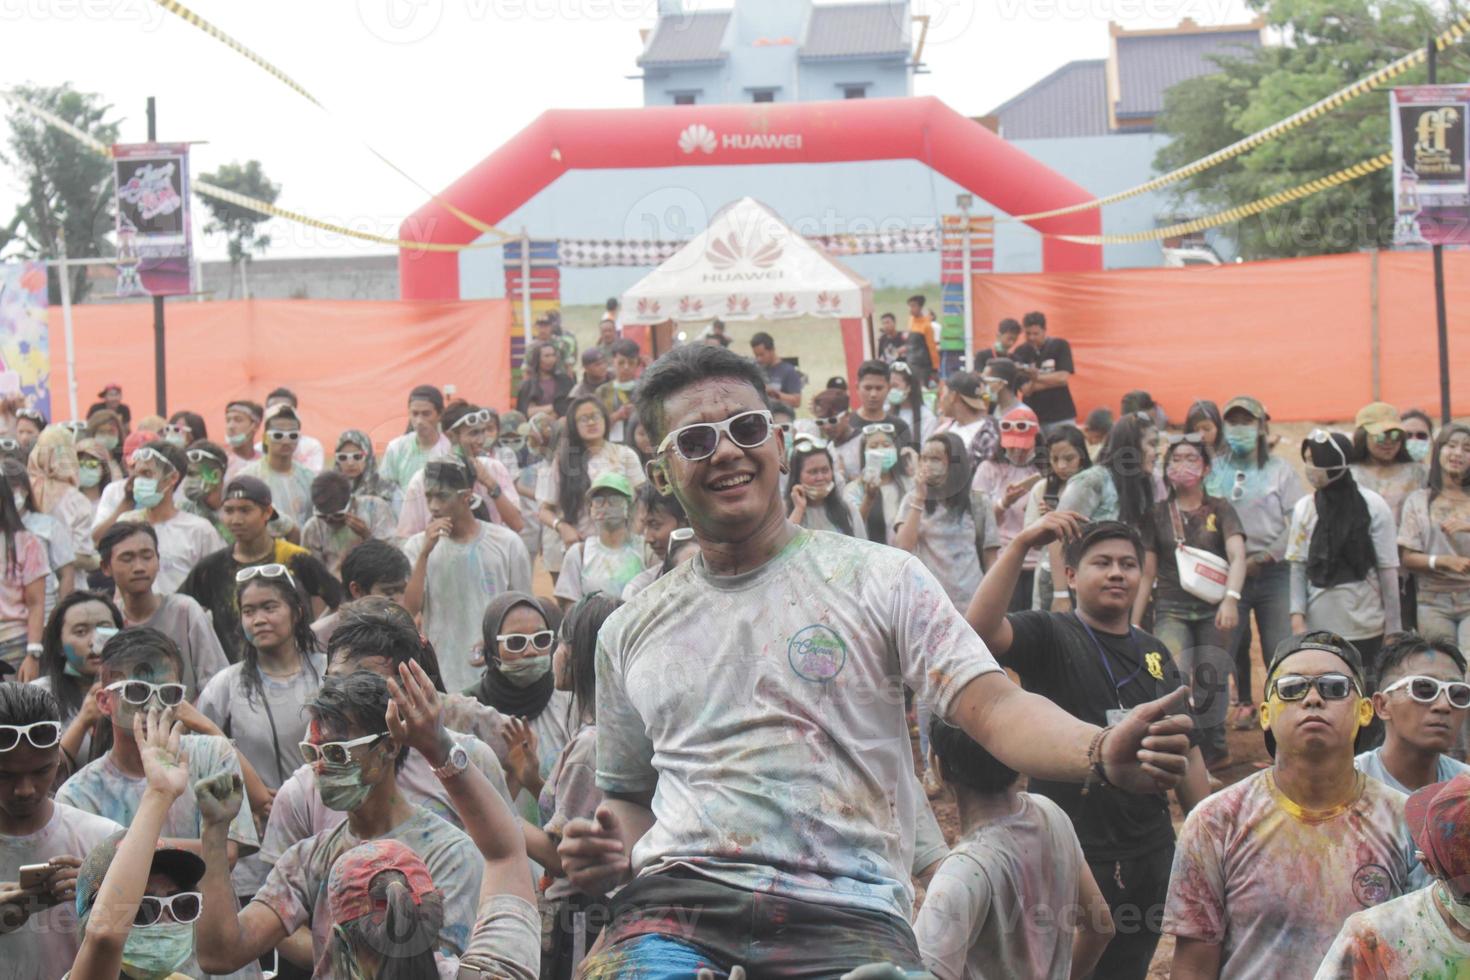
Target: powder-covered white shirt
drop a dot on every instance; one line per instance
(461, 580)
(766, 712)
(590, 566)
(997, 905)
(46, 945)
(1273, 883)
(1405, 939)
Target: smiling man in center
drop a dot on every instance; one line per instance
(766, 678)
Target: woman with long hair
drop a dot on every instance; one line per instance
(1418, 434)
(545, 383)
(1263, 489)
(185, 429)
(906, 401)
(947, 524)
(1434, 535)
(1380, 459)
(71, 660)
(54, 472)
(561, 488)
(1198, 632)
(811, 497)
(22, 589)
(95, 470)
(1065, 455)
(1007, 480)
(1343, 554)
(570, 791)
(107, 428)
(1204, 418)
(882, 482)
(61, 556)
(1121, 486)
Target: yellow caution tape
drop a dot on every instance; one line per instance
(189, 16)
(1315, 111)
(1381, 162)
(206, 189)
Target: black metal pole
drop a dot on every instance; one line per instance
(1439, 301)
(160, 379)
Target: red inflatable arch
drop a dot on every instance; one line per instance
(922, 129)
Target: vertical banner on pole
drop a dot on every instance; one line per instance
(1431, 143)
(153, 229)
(25, 346)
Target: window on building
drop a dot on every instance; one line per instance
(763, 95)
(685, 98)
(854, 91)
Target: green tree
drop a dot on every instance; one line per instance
(67, 186)
(1328, 45)
(240, 225)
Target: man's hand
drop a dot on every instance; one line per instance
(591, 853)
(1256, 562)
(414, 715)
(1059, 525)
(195, 720)
(568, 533)
(16, 905)
(219, 798)
(1148, 751)
(437, 528)
(1454, 564)
(30, 669)
(358, 526)
(1455, 525)
(61, 886)
(165, 765)
(1016, 491)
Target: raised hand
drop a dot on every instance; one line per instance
(165, 765)
(521, 755)
(1059, 525)
(414, 714)
(1148, 751)
(219, 797)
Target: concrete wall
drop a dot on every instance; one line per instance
(886, 79)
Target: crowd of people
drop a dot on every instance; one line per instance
(651, 677)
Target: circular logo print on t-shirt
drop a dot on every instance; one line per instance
(1372, 885)
(817, 653)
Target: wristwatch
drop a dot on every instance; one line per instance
(34, 650)
(458, 762)
(495, 491)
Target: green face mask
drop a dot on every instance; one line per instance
(156, 952)
(341, 787)
(526, 671)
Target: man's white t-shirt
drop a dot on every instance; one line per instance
(767, 711)
(1402, 939)
(47, 944)
(183, 541)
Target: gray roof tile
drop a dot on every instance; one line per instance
(1071, 101)
(1149, 66)
(857, 30)
(686, 38)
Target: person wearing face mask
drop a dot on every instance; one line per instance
(341, 520)
(37, 917)
(609, 560)
(1381, 458)
(142, 672)
(459, 564)
(357, 763)
(1263, 489)
(814, 500)
(94, 473)
(107, 429)
(242, 422)
(906, 401)
(1343, 554)
(878, 489)
(1197, 631)
(204, 485)
(136, 896)
(184, 428)
(71, 657)
(1434, 535)
(471, 431)
(183, 539)
(1007, 481)
(1418, 434)
(60, 557)
(22, 590)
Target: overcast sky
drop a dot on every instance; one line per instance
(437, 85)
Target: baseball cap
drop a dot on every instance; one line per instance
(837, 381)
(110, 386)
(967, 385)
(137, 440)
(612, 481)
(281, 410)
(593, 355)
(1248, 404)
(1438, 816)
(184, 868)
(248, 488)
(349, 886)
(1020, 440)
(1378, 418)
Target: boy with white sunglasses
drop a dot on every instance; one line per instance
(45, 838)
(290, 482)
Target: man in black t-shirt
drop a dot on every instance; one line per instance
(892, 345)
(247, 511)
(1096, 666)
(1007, 337)
(1050, 362)
(873, 409)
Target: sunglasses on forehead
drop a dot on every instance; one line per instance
(696, 442)
(40, 734)
(146, 453)
(75, 426)
(31, 414)
(873, 428)
(268, 570)
(483, 417)
(1189, 438)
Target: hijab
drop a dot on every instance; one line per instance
(369, 484)
(494, 689)
(1341, 550)
(53, 467)
(91, 447)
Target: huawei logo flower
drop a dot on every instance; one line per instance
(689, 306)
(725, 253)
(698, 137)
(647, 306)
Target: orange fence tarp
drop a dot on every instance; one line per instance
(1296, 333)
(351, 364)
